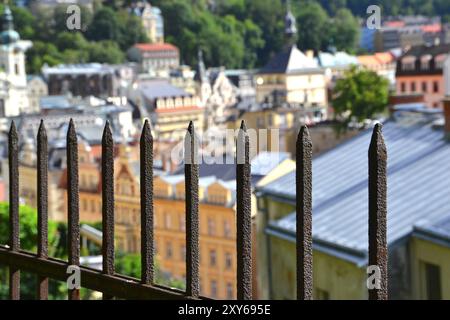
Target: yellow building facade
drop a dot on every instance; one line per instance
(28, 184)
(217, 221)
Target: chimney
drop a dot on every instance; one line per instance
(447, 117)
(310, 54)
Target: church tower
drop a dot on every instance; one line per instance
(290, 26)
(12, 55)
(202, 80)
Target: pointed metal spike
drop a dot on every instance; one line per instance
(303, 133)
(146, 131)
(107, 132)
(13, 129)
(377, 135)
(191, 128)
(42, 131)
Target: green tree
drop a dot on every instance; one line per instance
(360, 95)
(313, 27)
(253, 42)
(70, 40)
(131, 30)
(105, 52)
(42, 53)
(104, 26)
(60, 16)
(24, 22)
(345, 30)
(130, 265)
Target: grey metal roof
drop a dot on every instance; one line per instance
(418, 184)
(288, 60)
(266, 161)
(226, 170)
(156, 89)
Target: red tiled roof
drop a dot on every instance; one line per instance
(432, 28)
(395, 23)
(156, 47)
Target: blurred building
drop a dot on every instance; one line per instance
(37, 88)
(292, 76)
(90, 79)
(383, 63)
(420, 71)
(404, 32)
(169, 108)
(151, 18)
(13, 78)
(154, 58)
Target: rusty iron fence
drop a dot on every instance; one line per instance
(114, 285)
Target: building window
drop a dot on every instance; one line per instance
(413, 86)
(182, 223)
(435, 87)
(212, 258)
(425, 62)
(228, 260)
(229, 291)
(16, 68)
(433, 281)
(226, 229)
(322, 294)
(424, 87)
(169, 250)
(403, 87)
(213, 288)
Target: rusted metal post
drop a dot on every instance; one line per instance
(108, 202)
(14, 230)
(304, 215)
(243, 216)
(378, 252)
(192, 233)
(147, 247)
(42, 206)
(73, 204)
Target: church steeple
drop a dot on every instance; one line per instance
(8, 35)
(7, 19)
(200, 72)
(290, 24)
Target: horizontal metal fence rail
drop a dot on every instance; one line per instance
(113, 285)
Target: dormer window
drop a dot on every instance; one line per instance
(408, 63)
(439, 61)
(425, 62)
